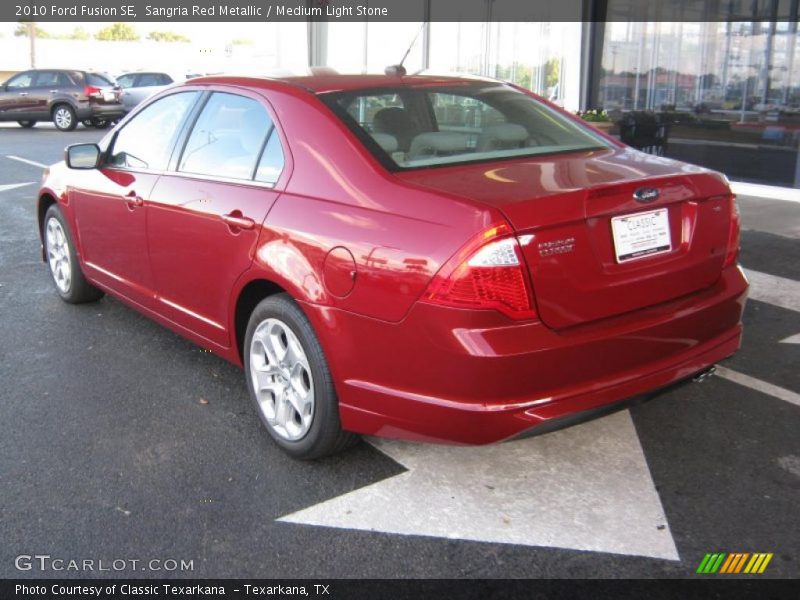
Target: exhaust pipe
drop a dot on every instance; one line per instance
(703, 375)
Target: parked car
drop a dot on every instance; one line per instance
(63, 96)
(428, 258)
(139, 85)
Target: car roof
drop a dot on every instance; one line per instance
(321, 84)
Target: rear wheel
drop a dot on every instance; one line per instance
(64, 117)
(289, 381)
(68, 278)
(26, 124)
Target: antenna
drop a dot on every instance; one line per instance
(399, 70)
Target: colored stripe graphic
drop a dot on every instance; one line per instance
(727, 564)
(765, 563)
(741, 562)
(711, 562)
(734, 563)
(703, 563)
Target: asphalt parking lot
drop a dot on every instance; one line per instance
(121, 440)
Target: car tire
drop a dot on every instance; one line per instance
(64, 117)
(87, 123)
(300, 377)
(26, 124)
(62, 260)
(100, 124)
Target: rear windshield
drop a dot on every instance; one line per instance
(98, 80)
(415, 127)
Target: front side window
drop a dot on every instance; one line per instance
(227, 139)
(417, 127)
(146, 141)
(23, 80)
(148, 80)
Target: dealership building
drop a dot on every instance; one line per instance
(722, 77)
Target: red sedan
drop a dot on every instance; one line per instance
(442, 259)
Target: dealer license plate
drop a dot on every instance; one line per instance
(641, 234)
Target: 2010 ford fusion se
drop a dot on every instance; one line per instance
(438, 259)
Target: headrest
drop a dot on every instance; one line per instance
(435, 142)
(387, 142)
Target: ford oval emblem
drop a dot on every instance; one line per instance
(646, 194)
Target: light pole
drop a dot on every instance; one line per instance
(32, 38)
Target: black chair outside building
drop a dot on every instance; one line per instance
(644, 131)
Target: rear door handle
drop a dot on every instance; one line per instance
(23, 93)
(236, 220)
(134, 200)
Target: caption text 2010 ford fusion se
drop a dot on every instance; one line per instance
(437, 259)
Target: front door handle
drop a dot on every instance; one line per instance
(134, 200)
(235, 220)
(23, 93)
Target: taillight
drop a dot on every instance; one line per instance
(732, 252)
(487, 273)
(92, 91)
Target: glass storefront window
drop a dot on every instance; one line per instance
(730, 91)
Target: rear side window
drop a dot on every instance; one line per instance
(146, 141)
(271, 164)
(98, 80)
(227, 139)
(52, 79)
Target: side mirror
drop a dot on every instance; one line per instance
(82, 156)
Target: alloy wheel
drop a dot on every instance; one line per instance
(63, 118)
(282, 380)
(58, 255)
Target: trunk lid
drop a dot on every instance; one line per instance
(562, 208)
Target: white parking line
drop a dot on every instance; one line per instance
(765, 191)
(778, 291)
(758, 385)
(10, 186)
(781, 292)
(26, 161)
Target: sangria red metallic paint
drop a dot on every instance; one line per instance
(373, 256)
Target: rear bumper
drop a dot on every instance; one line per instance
(476, 377)
(100, 111)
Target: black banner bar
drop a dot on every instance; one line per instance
(393, 10)
(414, 589)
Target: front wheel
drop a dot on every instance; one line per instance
(289, 381)
(62, 258)
(64, 117)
